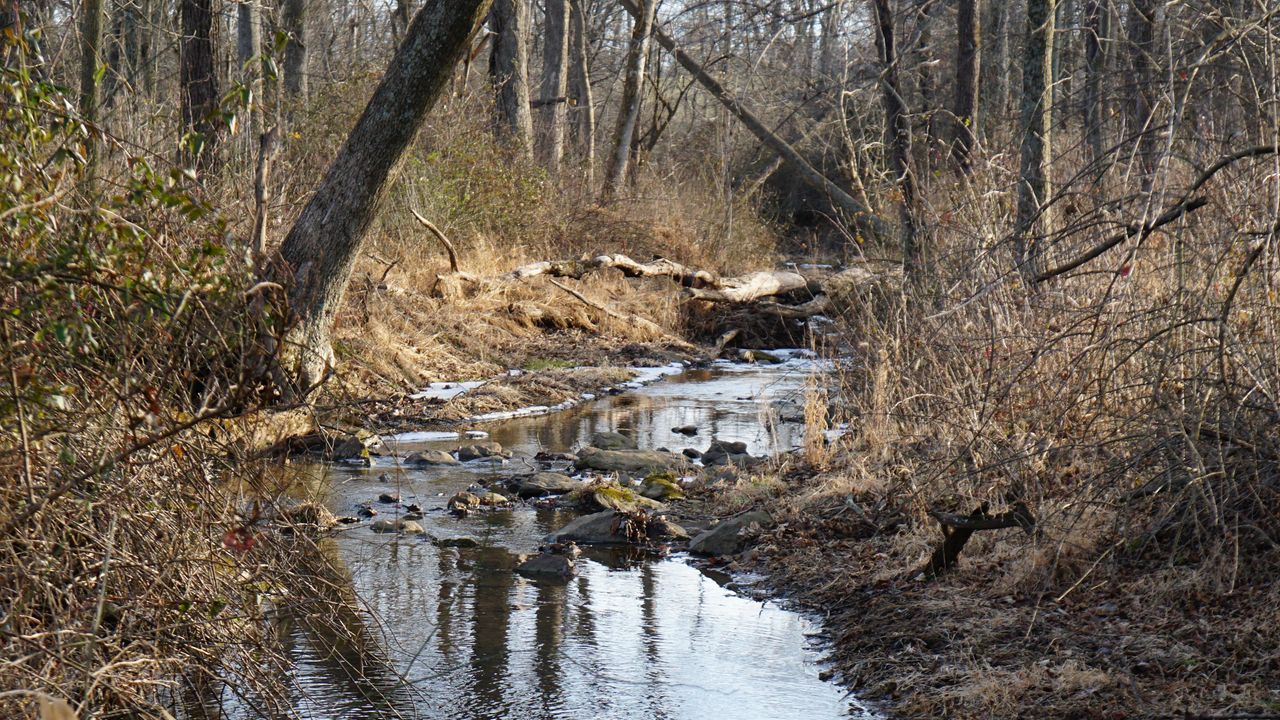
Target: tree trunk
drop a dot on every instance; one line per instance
(508, 71)
(323, 244)
(1142, 104)
(248, 47)
(629, 107)
(199, 83)
(858, 214)
(898, 138)
(995, 64)
(293, 20)
(90, 60)
(580, 81)
(555, 72)
(1036, 113)
(968, 35)
(1095, 32)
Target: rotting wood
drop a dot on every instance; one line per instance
(957, 529)
(753, 286)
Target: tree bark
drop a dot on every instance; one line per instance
(580, 82)
(629, 107)
(898, 138)
(293, 20)
(90, 59)
(995, 65)
(323, 244)
(862, 218)
(1142, 103)
(1033, 177)
(968, 36)
(198, 82)
(248, 47)
(555, 75)
(508, 71)
(1095, 32)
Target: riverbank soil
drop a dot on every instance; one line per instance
(1071, 621)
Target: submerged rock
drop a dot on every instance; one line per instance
(629, 461)
(456, 542)
(547, 483)
(390, 525)
(431, 457)
(726, 537)
(612, 441)
(548, 565)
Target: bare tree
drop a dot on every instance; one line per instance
(1036, 116)
(968, 36)
(898, 138)
(90, 60)
(199, 82)
(1142, 17)
(323, 244)
(508, 71)
(580, 86)
(629, 107)
(555, 72)
(248, 46)
(293, 20)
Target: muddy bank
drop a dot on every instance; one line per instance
(1116, 637)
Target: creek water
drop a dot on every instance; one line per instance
(454, 633)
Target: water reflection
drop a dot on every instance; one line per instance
(424, 631)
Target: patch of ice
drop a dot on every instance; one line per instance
(446, 390)
(476, 435)
(421, 436)
(836, 432)
(515, 372)
(588, 396)
(645, 375)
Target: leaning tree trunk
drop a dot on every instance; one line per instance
(580, 83)
(898, 132)
(860, 215)
(508, 71)
(323, 244)
(968, 35)
(629, 108)
(555, 75)
(293, 20)
(198, 83)
(1033, 177)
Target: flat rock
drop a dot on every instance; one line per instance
(547, 483)
(390, 525)
(431, 457)
(456, 542)
(661, 487)
(726, 453)
(630, 461)
(548, 565)
(726, 537)
(493, 499)
(463, 500)
(612, 441)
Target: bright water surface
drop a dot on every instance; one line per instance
(454, 633)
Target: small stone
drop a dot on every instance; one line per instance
(389, 525)
(685, 430)
(547, 483)
(494, 499)
(366, 511)
(457, 542)
(691, 453)
(388, 498)
(482, 450)
(463, 500)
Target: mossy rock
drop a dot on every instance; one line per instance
(610, 496)
(662, 487)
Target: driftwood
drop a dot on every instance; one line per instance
(956, 530)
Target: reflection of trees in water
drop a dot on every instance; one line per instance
(549, 635)
(491, 584)
(328, 612)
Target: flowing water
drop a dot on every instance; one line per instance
(454, 633)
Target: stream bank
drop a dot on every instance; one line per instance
(457, 632)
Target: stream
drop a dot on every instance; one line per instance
(455, 633)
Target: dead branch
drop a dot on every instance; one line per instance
(957, 529)
(752, 286)
(448, 246)
(628, 318)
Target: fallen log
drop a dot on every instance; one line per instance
(752, 286)
(957, 529)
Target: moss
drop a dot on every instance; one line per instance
(539, 363)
